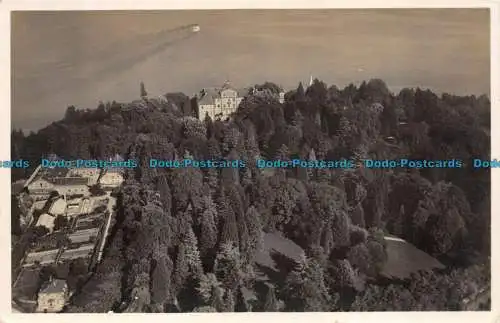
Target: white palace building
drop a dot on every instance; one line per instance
(220, 103)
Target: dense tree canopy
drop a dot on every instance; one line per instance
(191, 231)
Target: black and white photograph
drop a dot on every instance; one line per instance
(250, 160)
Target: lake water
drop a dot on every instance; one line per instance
(80, 58)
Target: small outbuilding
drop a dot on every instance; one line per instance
(58, 207)
(46, 220)
(53, 296)
(111, 179)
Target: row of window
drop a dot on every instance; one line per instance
(223, 109)
(76, 190)
(213, 113)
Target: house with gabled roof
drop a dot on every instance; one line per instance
(53, 296)
(219, 103)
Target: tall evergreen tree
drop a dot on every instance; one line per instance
(209, 288)
(345, 276)
(209, 232)
(188, 259)
(229, 301)
(305, 289)
(300, 93)
(217, 299)
(193, 253)
(256, 235)
(228, 266)
(271, 304)
(165, 195)
(229, 231)
(161, 280)
(144, 94)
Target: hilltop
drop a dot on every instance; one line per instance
(192, 239)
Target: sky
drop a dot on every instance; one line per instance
(82, 57)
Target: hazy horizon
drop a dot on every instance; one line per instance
(80, 58)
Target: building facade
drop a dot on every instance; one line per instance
(267, 92)
(41, 188)
(53, 297)
(111, 179)
(92, 174)
(46, 220)
(219, 103)
(70, 190)
(58, 207)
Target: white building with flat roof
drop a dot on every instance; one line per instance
(92, 174)
(111, 179)
(85, 235)
(42, 187)
(84, 251)
(46, 220)
(58, 207)
(42, 257)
